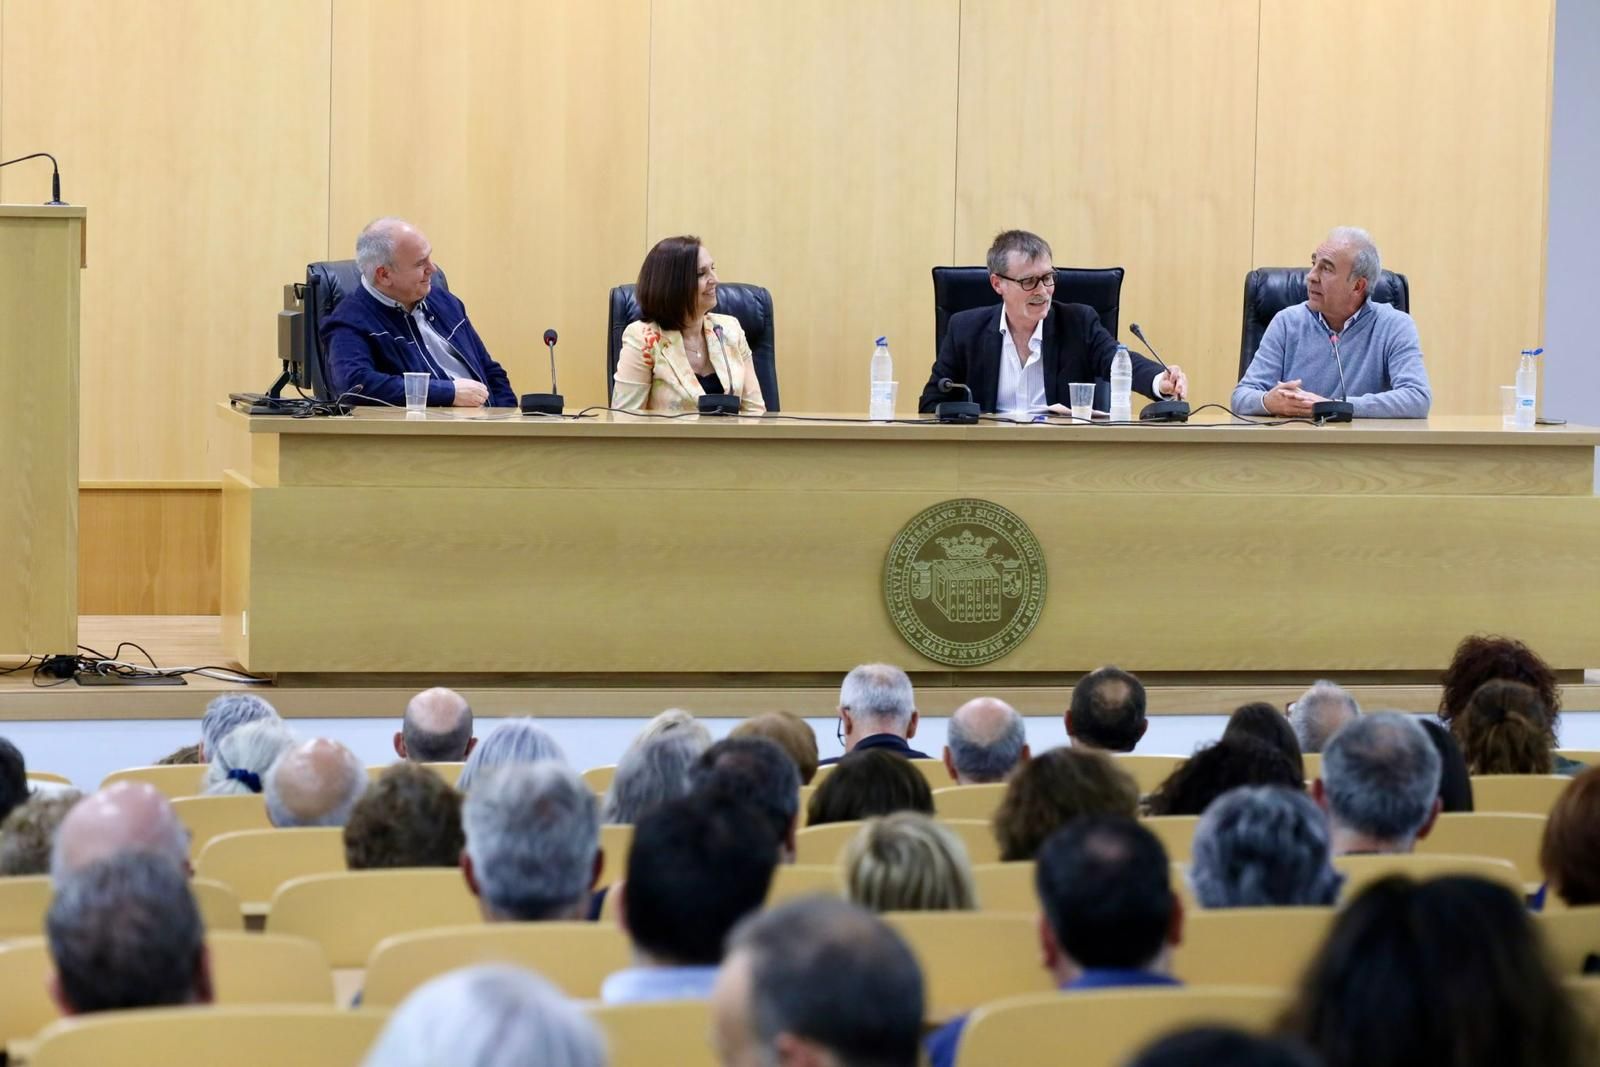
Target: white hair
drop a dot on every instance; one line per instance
(375, 246)
(1320, 712)
(227, 713)
(879, 693)
(488, 1016)
(513, 741)
(253, 748)
(532, 833)
(1365, 263)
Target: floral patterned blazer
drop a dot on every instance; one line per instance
(653, 372)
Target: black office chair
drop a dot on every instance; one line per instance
(1268, 290)
(327, 283)
(961, 288)
(750, 304)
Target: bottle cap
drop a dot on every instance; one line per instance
(881, 341)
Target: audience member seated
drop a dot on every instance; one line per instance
(877, 710)
(987, 742)
(316, 783)
(1219, 1046)
(513, 741)
(437, 728)
(226, 714)
(651, 774)
(1570, 851)
(868, 783)
(1107, 711)
(409, 817)
(696, 867)
(1449, 971)
(243, 758)
(674, 722)
(532, 843)
(1054, 788)
(1219, 767)
(124, 932)
(490, 1015)
(1379, 785)
(790, 732)
(1479, 659)
(122, 817)
(818, 983)
(908, 862)
(1505, 729)
(181, 756)
(1262, 722)
(1111, 919)
(29, 832)
(13, 777)
(758, 773)
(1455, 785)
(1319, 714)
(1263, 847)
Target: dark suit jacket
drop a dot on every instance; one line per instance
(893, 742)
(1076, 348)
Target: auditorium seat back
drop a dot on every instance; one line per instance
(648, 1035)
(449, 771)
(968, 801)
(1571, 934)
(1249, 946)
(173, 780)
(348, 914)
(750, 304)
(575, 956)
(208, 817)
(963, 288)
(203, 1036)
(1362, 871)
(1005, 886)
(1532, 794)
(1503, 835)
(1148, 772)
(969, 958)
(1175, 832)
(1268, 290)
(257, 862)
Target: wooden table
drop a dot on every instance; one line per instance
(619, 548)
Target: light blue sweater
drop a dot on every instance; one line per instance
(1383, 373)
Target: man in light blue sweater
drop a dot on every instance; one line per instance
(1298, 361)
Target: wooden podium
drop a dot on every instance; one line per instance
(41, 252)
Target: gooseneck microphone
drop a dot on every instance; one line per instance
(55, 176)
(1340, 410)
(723, 403)
(1161, 410)
(956, 411)
(550, 403)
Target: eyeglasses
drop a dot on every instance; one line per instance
(1030, 284)
(839, 731)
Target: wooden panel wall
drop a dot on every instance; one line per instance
(833, 150)
(148, 551)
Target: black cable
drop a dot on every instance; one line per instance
(24, 665)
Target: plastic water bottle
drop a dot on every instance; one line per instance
(1527, 388)
(1122, 385)
(880, 405)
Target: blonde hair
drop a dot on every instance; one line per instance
(908, 862)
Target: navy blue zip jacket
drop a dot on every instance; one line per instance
(371, 344)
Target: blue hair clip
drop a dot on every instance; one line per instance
(251, 779)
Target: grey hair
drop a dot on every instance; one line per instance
(652, 774)
(835, 974)
(427, 746)
(989, 759)
(254, 747)
(1319, 713)
(532, 834)
(125, 933)
(227, 713)
(491, 1015)
(355, 784)
(673, 721)
(1263, 846)
(1381, 776)
(1365, 263)
(375, 246)
(1030, 246)
(513, 741)
(879, 693)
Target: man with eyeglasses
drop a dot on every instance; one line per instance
(1019, 358)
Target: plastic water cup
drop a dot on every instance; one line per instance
(1508, 406)
(882, 403)
(416, 390)
(1082, 397)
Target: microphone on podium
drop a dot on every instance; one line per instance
(1340, 410)
(550, 403)
(718, 403)
(55, 176)
(1161, 410)
(961, 412)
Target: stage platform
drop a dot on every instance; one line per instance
(195, 640)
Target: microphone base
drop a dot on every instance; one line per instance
(1165, 411)
(718, 404)
(542, 403)
(1333, 411)
(962, 412)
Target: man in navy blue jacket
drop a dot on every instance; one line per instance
(396, 322)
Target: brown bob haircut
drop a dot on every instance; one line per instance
(668, 279)
(1572, 841)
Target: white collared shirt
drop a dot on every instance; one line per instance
(1021, 388)
(441, 351)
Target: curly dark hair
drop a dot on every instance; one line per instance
(1264, 722)
(1485, 657)
(1055, 787)
(409, 817)
(1217, 768)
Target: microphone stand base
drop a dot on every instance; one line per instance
(1333, 411)
(542, 403)
(962, 412)
(718, 404)
(1165, 411)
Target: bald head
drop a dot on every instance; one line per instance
(123, 817)
(437, 727)
(987, 742)
(314, 784)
